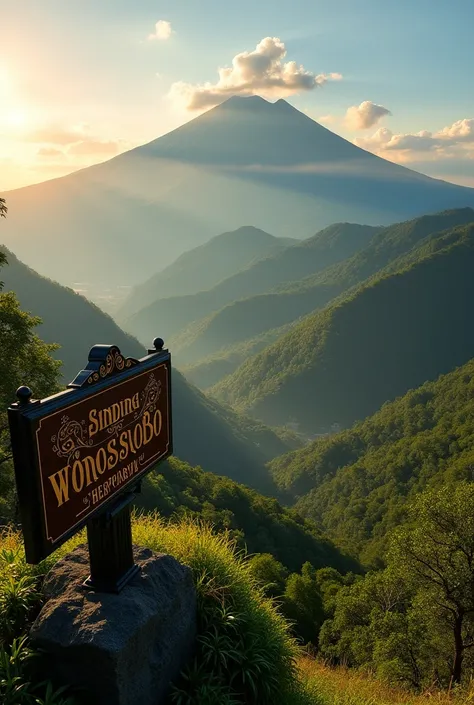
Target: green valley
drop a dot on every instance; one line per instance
(330, 245)
(381, 339)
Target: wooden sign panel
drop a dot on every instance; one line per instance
(78, 451)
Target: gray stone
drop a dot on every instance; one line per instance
(121, 649)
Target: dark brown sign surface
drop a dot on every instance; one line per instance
(77, 451)
(94, 448)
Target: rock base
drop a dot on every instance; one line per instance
(120, 649)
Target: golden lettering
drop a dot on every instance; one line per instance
(101, 461)
(114, 456)
(124, 444)
(130, 441)
(77, 469)
(94, 424)
(89, 466)
(157, 427)
(138, 437)
(147, 426)
(61, 485)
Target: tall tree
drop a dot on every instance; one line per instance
(436, 553)
(3, 208)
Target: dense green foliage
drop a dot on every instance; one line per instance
(356, 483)
(414, 621)
(259, 524)
(330, 245)
(203, 267)
(389, 335)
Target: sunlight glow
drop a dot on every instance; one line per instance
(15, 118)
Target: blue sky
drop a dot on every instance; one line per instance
(88, 67)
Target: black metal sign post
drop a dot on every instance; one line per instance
(109, 537)
(80, 456)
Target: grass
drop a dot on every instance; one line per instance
(244, 652)
(343, 686)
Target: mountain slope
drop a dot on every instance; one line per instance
(122, 220)
(247, 318)
(389, 335)
(258, 524)
(221, 441)
(203, 267)
(204, 433)
(210, 370)
(330, 245)
(357, 483)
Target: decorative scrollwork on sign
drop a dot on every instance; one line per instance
(114, 362)
(149, 396)
(71, 435)
(104, 361)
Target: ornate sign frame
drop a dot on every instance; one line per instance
(80, 455)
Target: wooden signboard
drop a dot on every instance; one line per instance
(79, 452)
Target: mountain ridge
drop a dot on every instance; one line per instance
(328, 246)
(140, 210)
(358, 337)
(203, 267)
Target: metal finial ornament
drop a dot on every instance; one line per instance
(24, 394)
(158, 343)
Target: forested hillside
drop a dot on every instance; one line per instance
(211, 369)
(330, 245)
(250, 317)
(356, 483)
(203, 267)
(259, 524)
(387, 336)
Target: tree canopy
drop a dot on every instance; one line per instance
(414, 621)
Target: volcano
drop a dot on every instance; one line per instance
(245, 162)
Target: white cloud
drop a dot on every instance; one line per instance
(261, 71)
(163, 31)
(460, 131)
(453, 141)
(365, 115)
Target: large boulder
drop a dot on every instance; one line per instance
(117, 649)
